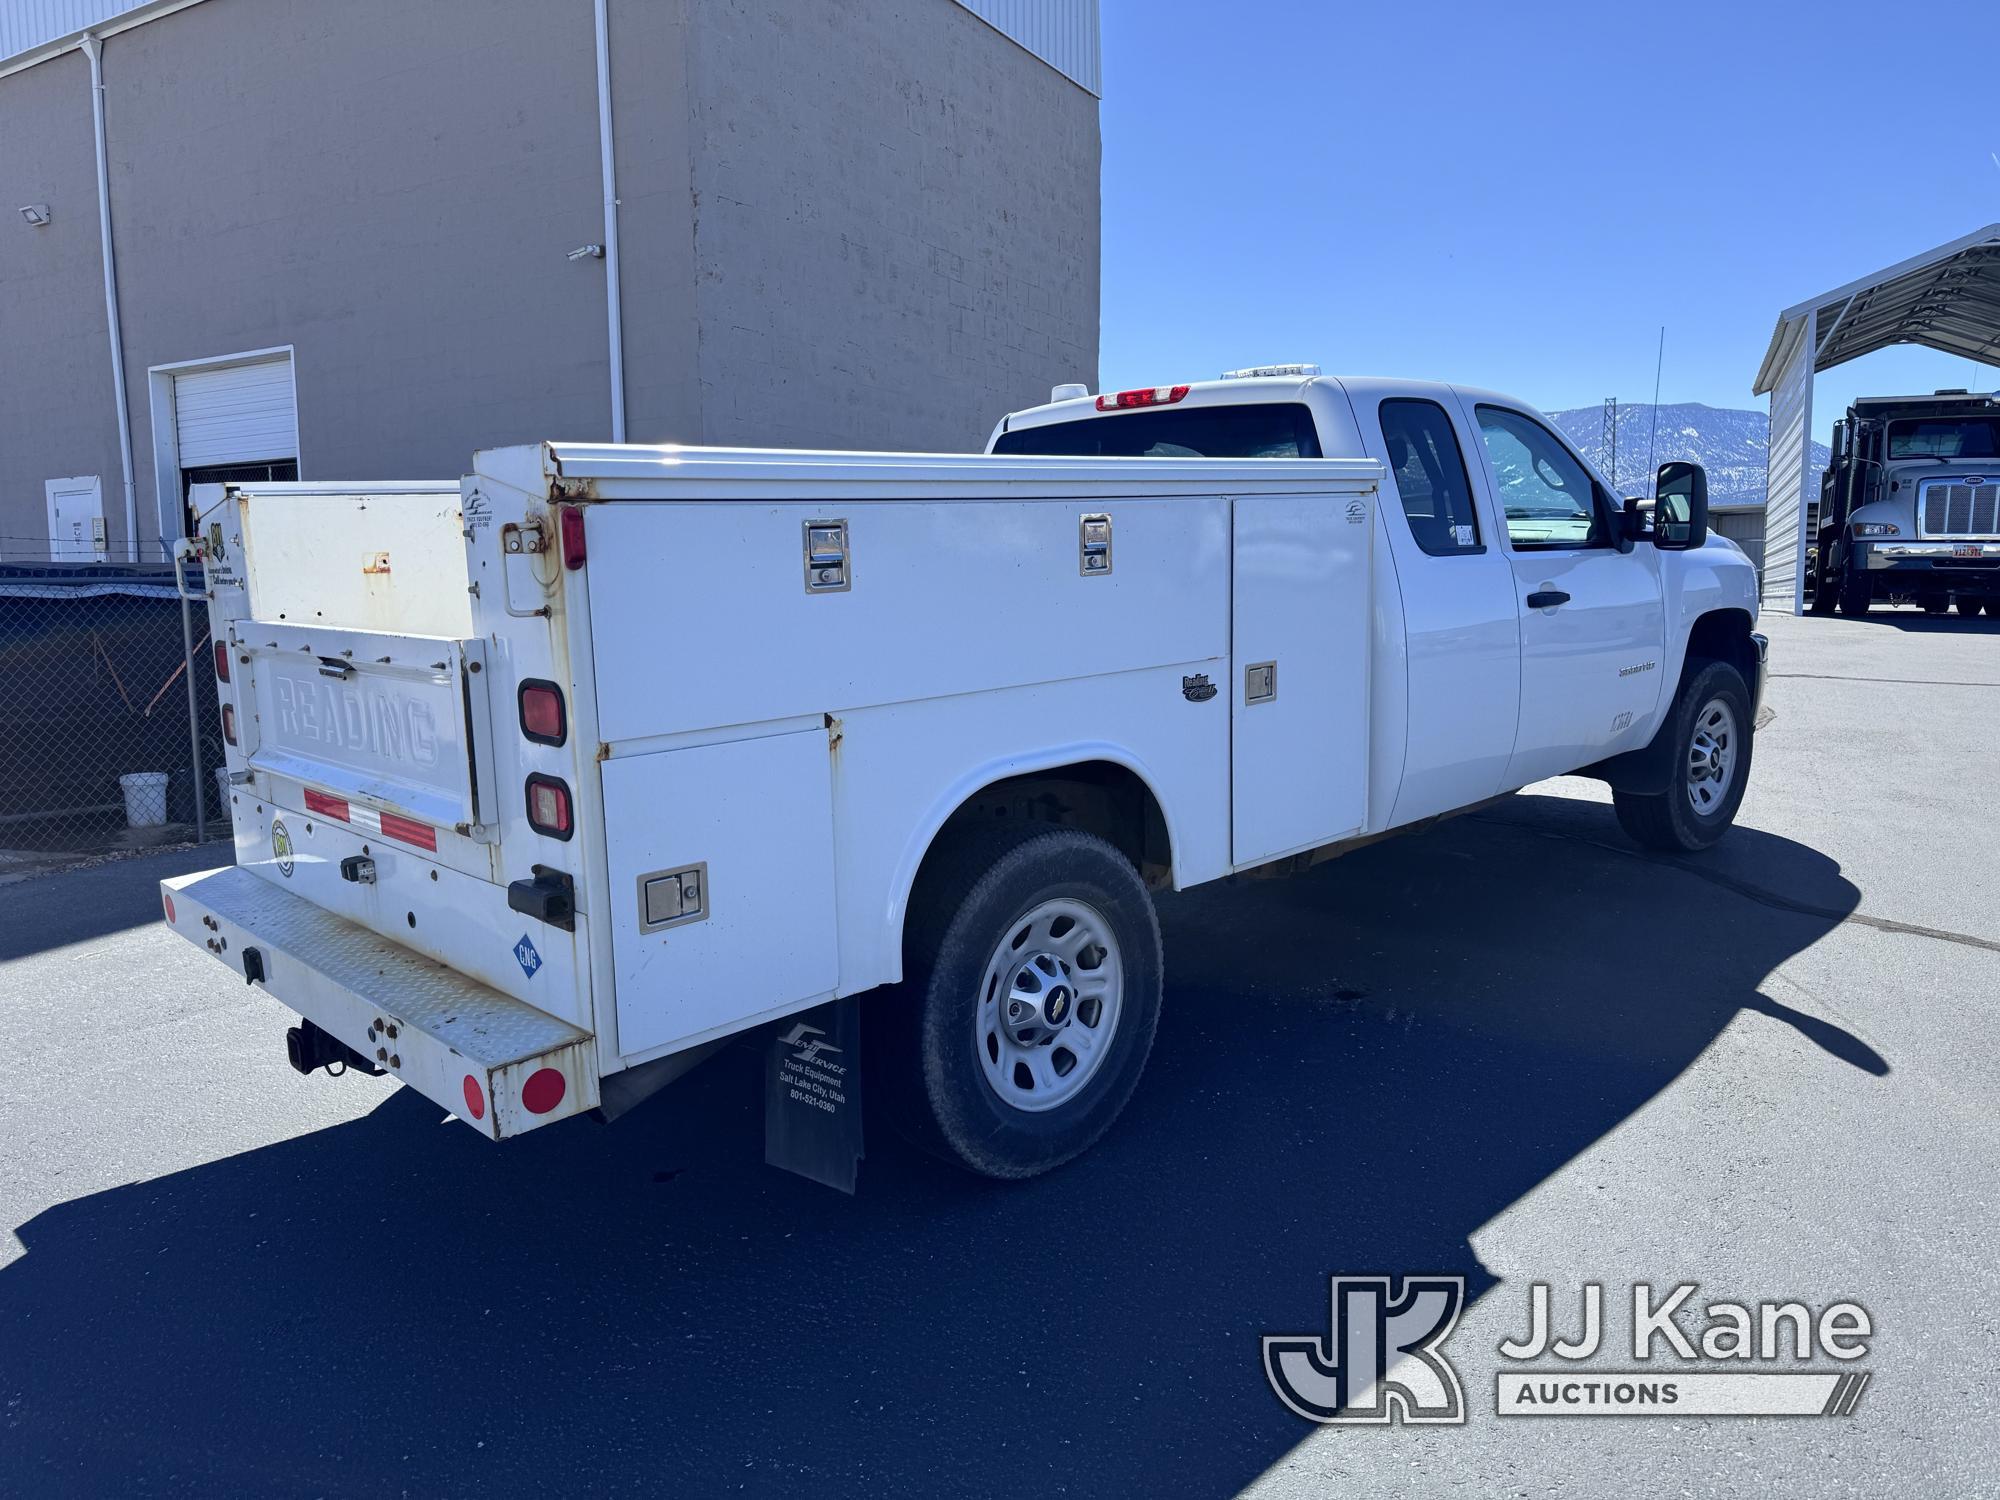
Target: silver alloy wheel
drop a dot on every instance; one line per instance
(1711, 763)
(1049, 1004)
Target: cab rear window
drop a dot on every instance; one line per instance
(1278, 429)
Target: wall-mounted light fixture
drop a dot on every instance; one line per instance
(36, 214)
(587, 252)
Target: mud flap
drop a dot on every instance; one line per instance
(812, 1095)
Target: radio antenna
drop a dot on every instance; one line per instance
(1658, 364)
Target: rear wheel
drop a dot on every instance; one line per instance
(1030, 996)
(1711, 724)
(1968, 606)
(1937, 604)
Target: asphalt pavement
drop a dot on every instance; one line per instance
(1513, 1049)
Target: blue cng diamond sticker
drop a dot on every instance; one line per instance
(529, 959)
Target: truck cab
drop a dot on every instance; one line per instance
(1530, 622)
(1910, 505)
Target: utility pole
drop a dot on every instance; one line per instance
(1611, 436)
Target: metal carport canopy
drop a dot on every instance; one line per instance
(1947, 298)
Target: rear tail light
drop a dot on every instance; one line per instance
(549, 808)
(574, 551)
(222, 661)
(229, 722)
(1152, 395)
(543, 717)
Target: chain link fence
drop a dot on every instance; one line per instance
(109, 732)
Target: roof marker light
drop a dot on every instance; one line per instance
(1152, 395)
(1252, 372)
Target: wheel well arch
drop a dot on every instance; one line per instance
(1098, 792)
(1723, 635)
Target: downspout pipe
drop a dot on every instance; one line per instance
(93, 48)
(614, 308)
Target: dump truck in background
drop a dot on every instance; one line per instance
(1910, 506)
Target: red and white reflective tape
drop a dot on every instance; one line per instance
(388, 825)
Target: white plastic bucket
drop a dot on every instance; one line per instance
(145, 798)
(222, 791)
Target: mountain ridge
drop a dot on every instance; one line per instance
(1731, 444)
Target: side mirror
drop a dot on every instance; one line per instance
(1680, 513)
(1636, 518)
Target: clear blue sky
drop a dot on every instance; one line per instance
(1519, 196)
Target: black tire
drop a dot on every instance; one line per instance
(924, 1033)
(1857, 591)
(1937, 604)
(1967, 607)
(1668, 820)
(1825, 592)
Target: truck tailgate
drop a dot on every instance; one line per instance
(500, 1065)
(396, 719)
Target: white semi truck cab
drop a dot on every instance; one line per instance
(1910, 505)
(548, 783)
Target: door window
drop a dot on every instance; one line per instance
(1545, 492)
(1430, 476)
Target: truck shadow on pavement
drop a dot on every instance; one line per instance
(1356, 1069)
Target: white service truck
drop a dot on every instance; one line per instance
(548, 783)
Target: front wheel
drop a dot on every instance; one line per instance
(1857, 591)
(1710, 723)
(1030, 996)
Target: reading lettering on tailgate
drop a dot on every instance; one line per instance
(379, 721)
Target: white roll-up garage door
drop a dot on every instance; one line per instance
(236, 414)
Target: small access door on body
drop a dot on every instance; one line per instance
(1298, 672)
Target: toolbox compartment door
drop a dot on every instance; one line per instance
(1299, 635)
(750, 823)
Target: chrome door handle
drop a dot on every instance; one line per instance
(1547, 598)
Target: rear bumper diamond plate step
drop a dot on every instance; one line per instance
(498, 1064)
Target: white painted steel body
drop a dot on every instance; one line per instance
(801, 748)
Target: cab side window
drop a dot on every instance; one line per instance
(1431, 477)
(1547, 496)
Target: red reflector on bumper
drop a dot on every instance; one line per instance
(325, 806)
(420, 834)
(543, 1091)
